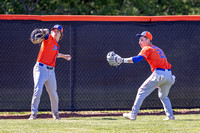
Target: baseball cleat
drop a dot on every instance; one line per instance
(130, 116)
(169, 118)
(33, 117)
(55, 116)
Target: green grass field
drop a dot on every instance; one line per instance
(144, 123)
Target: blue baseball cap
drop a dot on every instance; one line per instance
(59, 27)
(146, 34)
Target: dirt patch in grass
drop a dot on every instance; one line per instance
(68, 114)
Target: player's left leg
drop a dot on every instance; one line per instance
(51, 88)
(163, 92)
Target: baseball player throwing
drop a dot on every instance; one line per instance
(43, 71)
(160, 78)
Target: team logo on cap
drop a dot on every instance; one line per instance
(56, 26)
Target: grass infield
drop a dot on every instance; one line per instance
(185, 122)
(144, 123)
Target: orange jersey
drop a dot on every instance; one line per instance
(48, 51)
(155, 57)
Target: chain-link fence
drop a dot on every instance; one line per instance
(87, 82)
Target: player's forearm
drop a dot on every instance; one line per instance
(127, 60)
(133, 59)
(60, 55)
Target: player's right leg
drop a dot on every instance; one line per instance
(163, 92)
(146, 89)
(39, 76)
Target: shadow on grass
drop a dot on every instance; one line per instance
(109, 119)
(187, 120)
(62, 115)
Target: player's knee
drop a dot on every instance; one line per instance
(162, 97)
(54, 96)
(141, 96)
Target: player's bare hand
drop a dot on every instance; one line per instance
(67, 57)
(64, 56)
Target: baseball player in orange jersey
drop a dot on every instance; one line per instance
(160, 78)
(43, 72)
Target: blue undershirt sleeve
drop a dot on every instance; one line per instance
(46, 37)
(137, 58)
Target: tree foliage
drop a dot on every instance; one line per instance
(101, 7)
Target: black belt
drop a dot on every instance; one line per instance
(48, 67)
(162, 69)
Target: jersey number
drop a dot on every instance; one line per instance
(162, 55)
(55, 47)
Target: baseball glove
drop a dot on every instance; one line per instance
(37, 35)
(114, 59)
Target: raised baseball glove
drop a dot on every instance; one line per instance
(37, 35)
(114, 59)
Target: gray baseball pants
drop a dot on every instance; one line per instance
(44, 75)
(161, 79)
